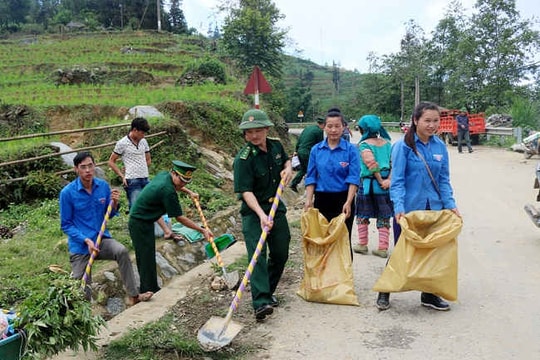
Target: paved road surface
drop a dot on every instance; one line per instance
(496, 315)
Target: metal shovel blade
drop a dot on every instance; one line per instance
(217, 332)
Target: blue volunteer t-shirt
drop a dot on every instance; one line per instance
(332, 170)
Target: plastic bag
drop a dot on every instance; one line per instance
(425, 257)
(295, 163)
(4, 325)
(328, 275)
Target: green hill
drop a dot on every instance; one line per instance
(327, 86)
(59, 82)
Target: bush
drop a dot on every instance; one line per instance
(43, 185)
(32, 29)
(211, 67)
(200, 70)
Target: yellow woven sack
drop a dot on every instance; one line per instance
(425, 257)
(328, 275)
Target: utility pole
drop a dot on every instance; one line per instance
(416, 90)
(158, 15)
(402, 100)
(121, 17)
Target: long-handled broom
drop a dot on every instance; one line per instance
(231, 279)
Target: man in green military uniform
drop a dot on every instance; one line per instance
(310, 136)
(157, 198)
(258, 169)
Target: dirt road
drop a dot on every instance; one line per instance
(496, 315)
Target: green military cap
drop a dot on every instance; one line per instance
(320, 119)
(254, 119)
(185, 171)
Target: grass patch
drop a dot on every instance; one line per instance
(158, 340)
(164, 339)
(111, 58)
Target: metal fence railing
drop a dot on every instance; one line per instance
(503, 131)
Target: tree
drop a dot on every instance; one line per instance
(13, 12)
(45, 11)
(409, 68)
(449, 50)
(504, 46)
(213, 32)
(299, 97)
(251, 37)
(335, 76)
(176, 18)
(63, 17)
(376, 94)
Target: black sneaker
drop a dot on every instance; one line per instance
(434, 302)
(263, 311)
(274, 302)
(383, 301)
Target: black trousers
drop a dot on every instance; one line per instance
(331, 205)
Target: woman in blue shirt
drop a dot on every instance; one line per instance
(333, 173)
(412, 187)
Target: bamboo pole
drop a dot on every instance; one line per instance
(28, 136)
(9, 181)
(68, 152)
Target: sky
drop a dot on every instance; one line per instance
(346, 31)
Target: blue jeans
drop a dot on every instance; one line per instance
(133, 189)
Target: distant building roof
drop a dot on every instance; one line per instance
(75, 25)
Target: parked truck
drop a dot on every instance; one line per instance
(448, 128)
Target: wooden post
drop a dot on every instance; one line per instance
(402, 102)
(416, 91)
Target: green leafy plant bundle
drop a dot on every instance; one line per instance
(58, 319)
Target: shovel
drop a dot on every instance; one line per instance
(219, 332)
(231, 279)
(88, 269)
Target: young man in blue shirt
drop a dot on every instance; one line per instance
(83, 204)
